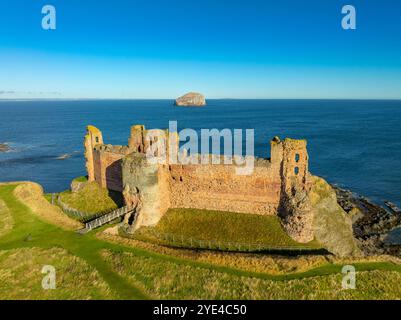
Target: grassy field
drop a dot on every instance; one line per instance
(178, 281)
(88, 267)
(221, 230)
(21, 274)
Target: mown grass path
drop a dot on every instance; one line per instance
(30, 231)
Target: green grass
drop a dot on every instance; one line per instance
(81, 179)
(221, 230)
(374, 281)
(20, 271)
(91, 199)
(47, 236)
(48, 197)
(108, 270)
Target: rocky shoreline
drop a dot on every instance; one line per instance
(371, 222)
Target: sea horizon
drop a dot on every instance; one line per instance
(343, 135)
(173, 99)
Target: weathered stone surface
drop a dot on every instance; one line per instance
(332, 226)
(295, 208)
(4, 147)
(191, 99)
(146, 189)
(107, 169)
(92, 138)
(297, 216)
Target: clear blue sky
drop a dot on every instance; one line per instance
(224, 49)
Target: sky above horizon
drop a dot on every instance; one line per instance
(224, 49)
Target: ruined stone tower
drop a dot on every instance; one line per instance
(295, 208)
(92, 138)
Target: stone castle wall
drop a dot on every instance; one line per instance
(277, 186)
(218, 187)
(108, 170)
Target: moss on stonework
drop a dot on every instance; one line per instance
(93, 129)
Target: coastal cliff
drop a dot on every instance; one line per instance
(191, 99)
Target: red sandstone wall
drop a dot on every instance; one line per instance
(217, 187)
(107, 170)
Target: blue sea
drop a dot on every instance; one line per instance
(355, 144)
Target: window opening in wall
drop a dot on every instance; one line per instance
(296, 170)
(297, 157)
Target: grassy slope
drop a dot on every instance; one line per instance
(91, 199)
(6, 220)
(234, 231)
(136, 273)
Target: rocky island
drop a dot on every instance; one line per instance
(191, 99)
(4, 147)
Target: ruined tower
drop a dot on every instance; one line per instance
(92, 138)
(295, 207)
(136, 140)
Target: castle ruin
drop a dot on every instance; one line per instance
(277, 186)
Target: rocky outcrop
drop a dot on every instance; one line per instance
(371, 222)
(332, 227)
(4, 147)
(191, 99)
